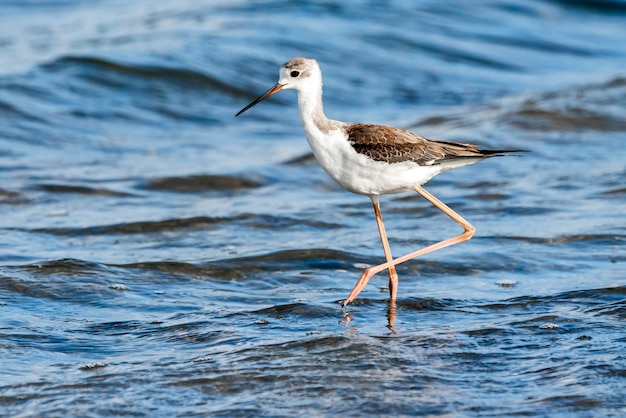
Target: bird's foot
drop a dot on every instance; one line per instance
(359, 286)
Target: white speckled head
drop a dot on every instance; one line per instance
(300, 74)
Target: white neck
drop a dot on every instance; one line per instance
(312, 110)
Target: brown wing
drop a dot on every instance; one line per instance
(393, 145)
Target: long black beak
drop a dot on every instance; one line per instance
(275, 89)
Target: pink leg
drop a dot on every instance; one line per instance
(468, 232)
(393, 276)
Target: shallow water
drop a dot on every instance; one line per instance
(160, 257)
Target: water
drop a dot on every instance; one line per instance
(159, 257)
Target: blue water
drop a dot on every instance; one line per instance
(159, 257)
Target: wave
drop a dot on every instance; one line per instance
(194, 223)
(121, 75)
(199, 183)
(81, 190)
(591, 107)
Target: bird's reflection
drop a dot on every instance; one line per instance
(391, 318)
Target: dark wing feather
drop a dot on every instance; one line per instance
(393, 145)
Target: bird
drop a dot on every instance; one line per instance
(375, 160)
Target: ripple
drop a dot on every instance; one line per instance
(143, 227)
(603, 6)
(10, 197)
(589, 107)
(116, 74)
(301, 310)
(601, 239)
(195, 223)
(201, 183)
(617, 192)
(81, 190)
(67, 266)
(243, 267)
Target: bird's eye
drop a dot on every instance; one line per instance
(294, 73)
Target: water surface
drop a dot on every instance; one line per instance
(160, 257)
